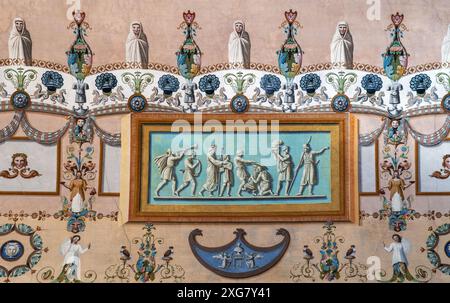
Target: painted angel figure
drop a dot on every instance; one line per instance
(136, 47)
(445, 50)
(342, 47)
(72, 252)
(399, 249)
(166, 165)
(308, 160)
(19, 43)
(239, 45)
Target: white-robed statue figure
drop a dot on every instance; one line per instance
(72, 251)
(446, 47)
(399, 249)
(19, 43)
(239, 45)
(136, 48)
(342, 47)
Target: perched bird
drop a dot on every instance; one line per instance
(351, 252)
(124, 254)
(307, 253)
(168, 254)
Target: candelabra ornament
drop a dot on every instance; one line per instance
(329, 267)
(341, 81)
(146, 267)
(395, 62)
(290, 57)
(444, 80)
(20, 78)
(79, 59)
(137, 83)
(239, 82)
(189, 60)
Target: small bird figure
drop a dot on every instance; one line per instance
(351, 252)
(168, 254)
(307, 253)
(124, 254)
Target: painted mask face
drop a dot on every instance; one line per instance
(19, 162)
(239, 27)
(447, 163)
(343, 29)
(19, 26)
(395, 124)
(12, 249)
(80, 122)
(136, 29)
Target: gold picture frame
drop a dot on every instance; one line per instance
(344, 172)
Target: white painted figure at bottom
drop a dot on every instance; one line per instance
(72, 252)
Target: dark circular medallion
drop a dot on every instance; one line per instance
(137, 102)
(447, 249)
(239, 104)
(340, 103)
(20, 99)
(11, 250)
(446, 103)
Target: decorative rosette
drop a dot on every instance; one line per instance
(168, 84)
(106, 82)
(371, 83)
(270, 84)
(52, 81)
(209, 84)
(310, 83)
(420, 83)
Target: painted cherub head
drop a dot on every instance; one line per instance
(19, 160)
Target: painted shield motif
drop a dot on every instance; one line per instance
(239, 258)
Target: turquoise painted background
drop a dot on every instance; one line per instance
(256, 147)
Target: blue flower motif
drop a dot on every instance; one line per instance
(310, 83)
(52, 80)
(169, 84)
(239, 104)
(106, 82)
(420, 83)
(371, 83)
(209, 84)
(340, 103)
(270, 84)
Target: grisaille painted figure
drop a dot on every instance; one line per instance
(212, 171)
(242, 174)
(284, 167)
(309, 163)
(19, 43)
(239, 45)
(445, 50)
(263, 180)
(136, 48)
(227, 176)
(342, 47)
(166, 165)
(189, 173)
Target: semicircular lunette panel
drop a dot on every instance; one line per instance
(239, 258)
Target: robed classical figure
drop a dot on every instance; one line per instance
(19, 43)
(342, 47)
(239, 45)
(136, 48)
(446, 47)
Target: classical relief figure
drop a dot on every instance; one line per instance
(284, 167)
(190, 174)
(446, 47)
(242, 174)
(19, 166)
(136, 48)
(212, 172)
(166, 164)
(342, 47)
(239, 45)
(19, 43)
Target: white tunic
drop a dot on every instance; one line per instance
(239, 46)
(19, 43)
(72, 253)
(398, 252)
